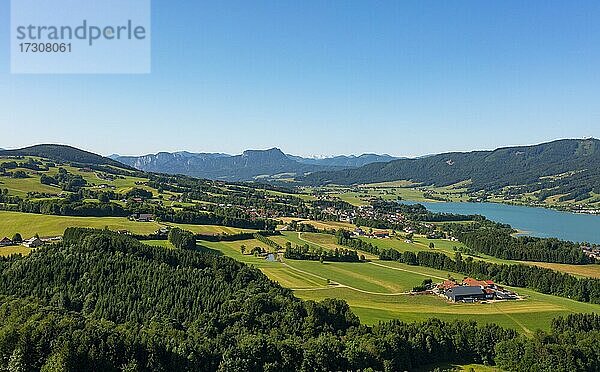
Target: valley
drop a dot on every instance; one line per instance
(355, 244)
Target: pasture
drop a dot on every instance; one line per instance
(376, 290)
(48, 225)
(14, 249)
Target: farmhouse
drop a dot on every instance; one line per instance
(470, 282)
(472, 290)
(33, 242)
(5, 242)
(447, 284)
(142, 217)
(381, 234)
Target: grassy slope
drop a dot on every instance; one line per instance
(372, 290)
(30, 224)
(14, 249)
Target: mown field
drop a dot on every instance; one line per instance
(377, 290)
(14, 249)
(46, 225)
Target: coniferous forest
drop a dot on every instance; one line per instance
(100, 301)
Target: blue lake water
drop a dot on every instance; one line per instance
(540, 222)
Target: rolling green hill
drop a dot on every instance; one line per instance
(565, 167)
(64, 153)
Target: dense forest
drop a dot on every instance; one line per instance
(496, 240)
(100, 301)
(489, 170)
(571, 345)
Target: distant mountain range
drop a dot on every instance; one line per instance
(250, 165)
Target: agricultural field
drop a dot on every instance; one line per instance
(322, 225)
(48, 225)
(14, 249)
(377, 290)
(421, 243)
(397, 190)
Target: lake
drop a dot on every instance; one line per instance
(539, 222)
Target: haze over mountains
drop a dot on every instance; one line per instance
(249, 165)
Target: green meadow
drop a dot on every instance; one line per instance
(376, 290)
(48, 225)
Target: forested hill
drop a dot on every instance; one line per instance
(64, 153)
(489, 170)
(100, 301)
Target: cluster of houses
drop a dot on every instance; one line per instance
(29, 243)
(473, 290)
(379, 234)
(592, 251)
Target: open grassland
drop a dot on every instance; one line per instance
(209, 229)
(46, 225)
(21, 186)
(30, 224)
(591, 271)
(535, 312)
(377, 290)
(322, 225)
(14, 249)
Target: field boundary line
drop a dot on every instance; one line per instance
(406, 270)
(340, 285)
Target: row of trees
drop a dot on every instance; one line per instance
(182, 239)
(496, 240)
(306, 252)
(344, 237)
(261, 238)
(537, 278)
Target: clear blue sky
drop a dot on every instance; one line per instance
(327, 77)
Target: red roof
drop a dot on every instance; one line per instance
(447, 284)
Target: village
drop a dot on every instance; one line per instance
(33, 242)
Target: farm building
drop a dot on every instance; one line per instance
(142, 217)
(381, 234)
(465, 294)
(33, 242)
(5, 242)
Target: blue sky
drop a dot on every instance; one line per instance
(327, 77)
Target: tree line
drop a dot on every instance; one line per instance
(497, 240)
(537, 278)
